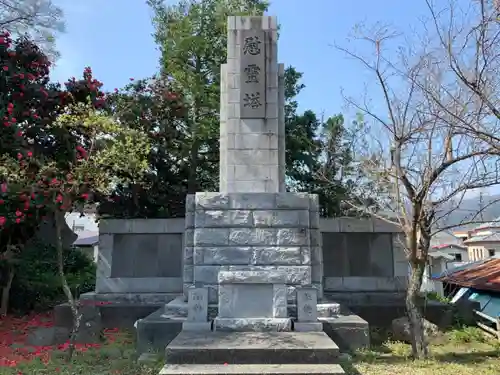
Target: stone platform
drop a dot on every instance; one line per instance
(252, 353)
(251, 348)
(230, 369)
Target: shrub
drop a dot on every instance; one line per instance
(37, 285)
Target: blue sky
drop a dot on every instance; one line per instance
(114, 38)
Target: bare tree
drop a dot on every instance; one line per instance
(39, 19)
(468, 34)
(421, 164)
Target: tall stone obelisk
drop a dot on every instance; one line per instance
(249, 247)
(252, 117)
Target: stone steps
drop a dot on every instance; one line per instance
(251, 348)
(252, 369)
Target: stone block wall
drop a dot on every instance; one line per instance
(252, 231)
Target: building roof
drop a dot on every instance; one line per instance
(493, 237)
(87, 238)
(444, 246)
(495, 223)
(481, 275)
(440, 254)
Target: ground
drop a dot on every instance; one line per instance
(459, 352)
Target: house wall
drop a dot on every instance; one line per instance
(82, 223)
(479, 251)
(146, 256)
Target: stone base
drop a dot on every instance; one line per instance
(255, 369)
(253, 324)
(350, 332)
(197, 326)
(308, 327)
(251, 348)
(154, 332)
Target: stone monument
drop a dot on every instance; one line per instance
(252, 241)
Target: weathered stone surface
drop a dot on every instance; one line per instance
(316, 255)
(197, 326)
(292, 200)
(211, 218)
(293, 237)
(189, 237)
(262, 276)
(197, 305)
(253, 324)
(212, 201)
(307, 300)
(189, 220)
(269, 274)
(252, 201)
(315, 238)
(190, 203)
(211, 236)
(188, 255)
(241, 218)
(308, 327)
(279, 301)
(314, 203)
(305, 255)
(314, 219)
(276, 256)
(226, 255)
(188, 274)
(281, 218)
(239, 301)
(252, 236)
(206, 274)
(401, 329)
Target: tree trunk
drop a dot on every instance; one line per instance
(67, 290)
(413, 308)
(4, 304)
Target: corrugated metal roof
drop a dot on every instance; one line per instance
(482, 275)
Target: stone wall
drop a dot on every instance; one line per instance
(140, 256)
(146, 256)
(252, 232)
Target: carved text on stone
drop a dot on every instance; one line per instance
(251, 45)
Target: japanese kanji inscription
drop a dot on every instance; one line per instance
(253, 74)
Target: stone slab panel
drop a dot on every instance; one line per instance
(279, 301)
(281, 218)
(197, 326)
(253, 369)
(225, 255)
(144, 226)
(294, 201)
(211, 201)
(139, 285)
(266, 274)
(207, 274)
(307, 300)
(252, 236)
(246, 301)
(252, 347)
(293, 237)
(252, 201)
(276, 256)
(197, 305)
(245, 276)
(211, 237)
(253, 324)
(308, 327)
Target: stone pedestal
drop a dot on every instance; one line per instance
(252, 301)
(272, 232)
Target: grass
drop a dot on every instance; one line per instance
(463, 351)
